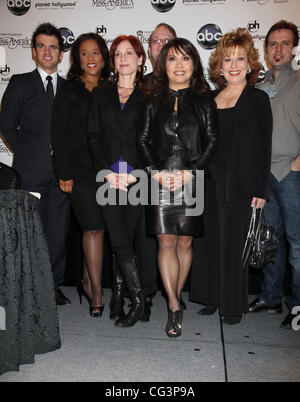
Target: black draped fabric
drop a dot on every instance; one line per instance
(26, 283)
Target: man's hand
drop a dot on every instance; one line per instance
(66, 185)
(296, 164)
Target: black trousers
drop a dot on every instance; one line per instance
(121, 222)
(147, 248)
(54, 208)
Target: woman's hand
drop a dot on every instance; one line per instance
(66, 185)
(166, 179)
(258, 202)
(120, 181)
(182, 177)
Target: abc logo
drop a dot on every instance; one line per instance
(68, 38)
(18, 7)
(208, 36)
(261, 74)
(163, 5)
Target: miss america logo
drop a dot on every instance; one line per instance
(111, 4)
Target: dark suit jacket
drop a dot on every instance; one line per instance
(26, 125)
(112, 132)
(249, 157)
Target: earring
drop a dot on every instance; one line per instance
(249, 71)
(221, 73)
(81, 67)
(139, 69)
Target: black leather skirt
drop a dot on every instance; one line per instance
(173, 212)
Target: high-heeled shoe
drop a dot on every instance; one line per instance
(95, 311)
(182, 303)
(232, 319)
(81, 292)
(174, 324)
(208, 310)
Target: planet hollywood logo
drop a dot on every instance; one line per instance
(163, 6)
(18, 7)
(261, 74)
(112, 4)
(203, 2)
(101, 30)
(208, 36)
(4, 71)
(55, 5)
(68, 38)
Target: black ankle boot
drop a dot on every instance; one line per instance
(147, 311)
(117, 298)
(133, 284)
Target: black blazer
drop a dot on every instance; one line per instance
(112, 132)
(26, 125)
(251, 145)
(71, 154)
(197, 128)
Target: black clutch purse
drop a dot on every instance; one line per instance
(261, 243)
(9, 178)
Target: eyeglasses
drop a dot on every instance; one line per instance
(160, 41)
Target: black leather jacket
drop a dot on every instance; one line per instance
(197, 128)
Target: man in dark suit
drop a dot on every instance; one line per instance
(26, 125)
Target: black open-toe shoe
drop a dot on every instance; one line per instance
(174, 323)
(232, 319)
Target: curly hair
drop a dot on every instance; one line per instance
(237, 38)
(75, 70)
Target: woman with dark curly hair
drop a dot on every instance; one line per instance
(113, 122)
(90, 67)
(241, 168)
(178, 138)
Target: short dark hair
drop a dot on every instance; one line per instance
(75, 70)
(50, 30)
(181, 45)
(164, 25)
(283, 24)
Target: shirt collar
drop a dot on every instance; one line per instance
(43, 75)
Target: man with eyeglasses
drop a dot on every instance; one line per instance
(162, 34)
(146, 246)
(282, 84)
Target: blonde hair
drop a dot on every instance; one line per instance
(237, 38)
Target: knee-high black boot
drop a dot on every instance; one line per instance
(117, 298)
(133, 284)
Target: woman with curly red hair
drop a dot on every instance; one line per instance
(240, 168)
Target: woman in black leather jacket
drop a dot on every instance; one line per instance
(178, 138)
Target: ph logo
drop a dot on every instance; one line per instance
(296, 320)
(68, 38)
(18, 7)
(253, 26)
(101, 30)
(2, 319)
(5, 70)
(208, 36)
(163, 5)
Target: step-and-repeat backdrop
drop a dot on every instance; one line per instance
(201, 21)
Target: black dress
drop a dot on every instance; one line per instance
(72, 159)
(169, 216)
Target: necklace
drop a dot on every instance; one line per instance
(125, 87)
